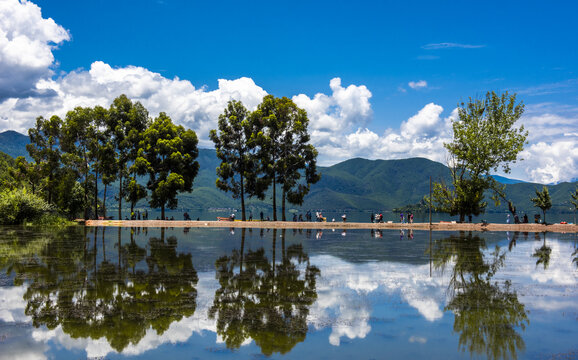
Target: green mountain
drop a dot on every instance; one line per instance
(14, 144)
(355, 184)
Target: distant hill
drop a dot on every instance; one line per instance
(355, 184)
(14, 143)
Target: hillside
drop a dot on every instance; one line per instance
(356, 184)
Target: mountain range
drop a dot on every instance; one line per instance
(354, 184)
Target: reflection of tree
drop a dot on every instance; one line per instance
(263, 300)
(487, 315)
(543, 254)
(90, 296)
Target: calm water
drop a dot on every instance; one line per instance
(217, 293)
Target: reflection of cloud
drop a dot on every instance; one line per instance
(177, 332)
(558, 281)
(345, 292)
(417, 339)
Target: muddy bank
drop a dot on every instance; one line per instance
(439, 226)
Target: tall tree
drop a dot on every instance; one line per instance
(485, 139)
(82, 138)
(167, 154)
(126, 123)
(542, 200)
(574, 202)
(44, 148)
(236, 148)
(286, 156)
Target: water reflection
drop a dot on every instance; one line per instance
(542, 254)
(263, 300)
(72, 284)
(275, 293)
(487, 315)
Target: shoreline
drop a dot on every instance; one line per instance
(438, 226)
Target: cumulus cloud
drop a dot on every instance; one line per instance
(26, 43)
(193, 108)
(340, 121)
(417, 84)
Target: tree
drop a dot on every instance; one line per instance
(81, 140)
(44, 148)
(485, 140)
(126, 123)
(574, 202)
(167, 154)
(236, 148)
(542, 200)
(286, 157)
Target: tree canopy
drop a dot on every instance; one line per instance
(485, 140)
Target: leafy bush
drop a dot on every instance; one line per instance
(18, 206)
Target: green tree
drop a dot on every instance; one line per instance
(574, 202)
(487, 314)
(44, 148)
(485, 140)
(236, 148)
(81, 140)
(125, 126)
(286, 156)
(542, 200)
(167, 154)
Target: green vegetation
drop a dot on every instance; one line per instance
(167, 154)
(285, 155)
(236, 147)
(485, 140)
(19, 206)
(542, 200)
(92, 146)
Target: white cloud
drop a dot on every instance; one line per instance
(449, 45)
(193, 108)
(339, 121)
(417, 84)
(26, 44)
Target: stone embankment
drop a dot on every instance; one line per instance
(438, 226)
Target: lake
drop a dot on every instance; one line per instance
(220, 293)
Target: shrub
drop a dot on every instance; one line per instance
(18, 206)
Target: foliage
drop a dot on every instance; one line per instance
(235, 146)
(167, 154)
(19, 206)
(487, 315)
(125, 125)
(44, 148)
(485, 140)
(542, 200)
(286, 156)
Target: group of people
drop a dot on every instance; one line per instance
(524, 219)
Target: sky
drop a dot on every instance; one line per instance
(378, 79)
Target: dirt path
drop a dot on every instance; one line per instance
(439, 226)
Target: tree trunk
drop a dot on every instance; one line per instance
(242, 249)
(96, 195)
(274, 198)
(283, 205)
(163, 212)
(120, 196)
(243, 199)
(104, 202)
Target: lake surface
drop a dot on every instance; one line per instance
(178, 293)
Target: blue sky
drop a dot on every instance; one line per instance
(402, 67)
